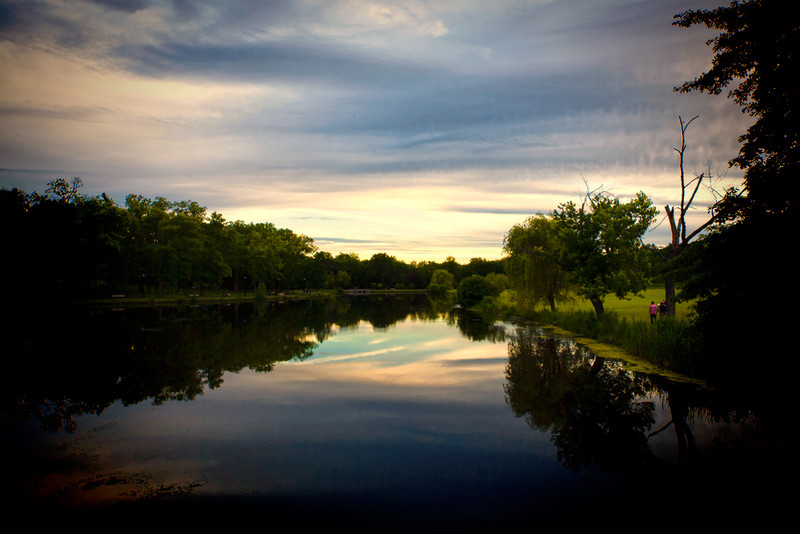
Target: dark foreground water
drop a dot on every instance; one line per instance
(375, 414)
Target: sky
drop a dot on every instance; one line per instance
(419, 129)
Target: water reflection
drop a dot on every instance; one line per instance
(594, 409)
(673, 441)
(431, 407)
(92, 358)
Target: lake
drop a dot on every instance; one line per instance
(375, 413)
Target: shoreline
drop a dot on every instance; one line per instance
(199, 298)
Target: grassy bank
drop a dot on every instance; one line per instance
(667, 343)
(634, 308)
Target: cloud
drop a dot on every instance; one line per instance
(128, 6)
(284, 61)
(450, 118)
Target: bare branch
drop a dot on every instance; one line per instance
(700, 229)
(678, 227)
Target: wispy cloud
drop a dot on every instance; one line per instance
(404, 127)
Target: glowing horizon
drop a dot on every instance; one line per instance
(416, 130)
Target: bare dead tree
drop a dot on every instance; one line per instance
(677, 225)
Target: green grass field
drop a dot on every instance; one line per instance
(635, 307)
(666, 347)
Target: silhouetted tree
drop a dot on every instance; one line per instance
(740, 275)
(679, 233)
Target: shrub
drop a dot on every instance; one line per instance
(472, 289)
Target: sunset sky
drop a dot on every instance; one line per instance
(422, 129)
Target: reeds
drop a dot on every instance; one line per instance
(668, 342)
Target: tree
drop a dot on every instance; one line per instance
(215, 270)
(757, 49)
(441, 281)
(62, 243)
(293, 251)
(352, 270)
(67, 192)
(679, 238)
(263, 258)
(601, 245)
(533, 249)
(481, 266)
(98, 254)
(740, 268)
(472, 289)
(498, 282)
(453, 267)
(181, 245)
(385, 271)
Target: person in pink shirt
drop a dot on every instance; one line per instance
(653, 311)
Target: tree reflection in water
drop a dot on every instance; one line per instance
(594, 409)
(600, 417)
(90, 358)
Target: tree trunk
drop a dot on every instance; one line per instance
(686, 447)
(678, 228)
(669, 294)
(599, 310)
(669, 278)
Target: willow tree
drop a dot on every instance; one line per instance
(532, 264)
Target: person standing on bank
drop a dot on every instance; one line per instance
(653, 311)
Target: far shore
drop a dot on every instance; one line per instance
(212, 297)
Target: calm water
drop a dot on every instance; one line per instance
(381, 413)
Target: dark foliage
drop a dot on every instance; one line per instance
(62, 244)
(741, 273)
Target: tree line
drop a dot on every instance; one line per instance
(64, 243)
